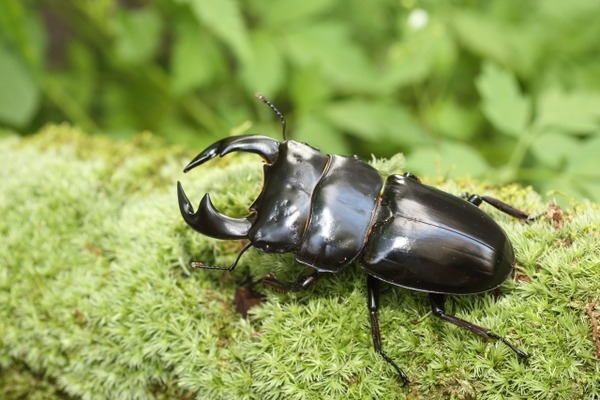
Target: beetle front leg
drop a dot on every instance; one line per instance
(437, 306)
(201, 265)
(373, 285)
(302, 284)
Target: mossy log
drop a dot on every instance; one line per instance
(98, 300)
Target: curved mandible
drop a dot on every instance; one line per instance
(264, 146)
(209, 221)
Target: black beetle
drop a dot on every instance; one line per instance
(331, 211)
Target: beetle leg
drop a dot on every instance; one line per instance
(437, 306)
(502, 206)
(373, 285)
(302, 284)
(201, 265)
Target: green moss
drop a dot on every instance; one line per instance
(98, 300)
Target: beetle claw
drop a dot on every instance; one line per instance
(184, 203)
(209, 221)
(264, 146)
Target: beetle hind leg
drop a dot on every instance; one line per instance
(502, 206)
(373, 285)
(437, 306)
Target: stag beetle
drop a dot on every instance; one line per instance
(332, 211)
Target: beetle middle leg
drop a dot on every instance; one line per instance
(373, 285)
(437, 306)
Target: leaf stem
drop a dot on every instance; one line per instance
(519, 152)
(68, 105)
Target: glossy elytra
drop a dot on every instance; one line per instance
(331, 211)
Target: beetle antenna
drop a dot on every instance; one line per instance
(276, 111)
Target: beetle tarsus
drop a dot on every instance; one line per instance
(403, 378)
(517, 351)
(437, 306)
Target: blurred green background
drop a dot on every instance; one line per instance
(501, 90)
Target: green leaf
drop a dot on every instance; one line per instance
(450, 160)
(320, 134)
(584, 168)
(503, 104)
(20, 94)
(484, 36)
(195, 59)
(328, 46)
(451, 119)
(264, 71)
(553, 149)
(418, 56)
(578, 174)
(307, 89)
(375, 121)
(400, 126)
(224, 19)
(585, 163)
(358, 117)
(409, 63)
(577, 112)
(568, 12)
(282, 13)
(138, 35)
(25, 32)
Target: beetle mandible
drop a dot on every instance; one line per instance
(332, 211)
